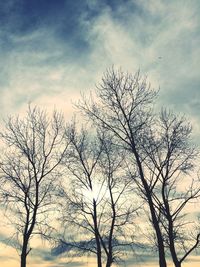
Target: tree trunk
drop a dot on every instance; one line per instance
(23, 260)
(24, 253)
(162, 260)
(172, 246)
(177, 264)
(170, 227)
(109, 261)
(161, 249)
(110, 247)
(99, 262)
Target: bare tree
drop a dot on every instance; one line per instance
(123, 108)
(35, 146)
(98, 204)
(171, 159)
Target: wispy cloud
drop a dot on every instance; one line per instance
(48, 59)
(51, 51)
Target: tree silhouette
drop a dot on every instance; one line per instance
(98, 204)
(158, 150)
(35, 146)
(123, 108)
(171, 159)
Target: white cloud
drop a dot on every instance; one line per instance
(161, 38)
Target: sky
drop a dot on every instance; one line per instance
(51, 51)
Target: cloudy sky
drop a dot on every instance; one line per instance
(53, 50)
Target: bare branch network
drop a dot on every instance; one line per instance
(126, 182)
